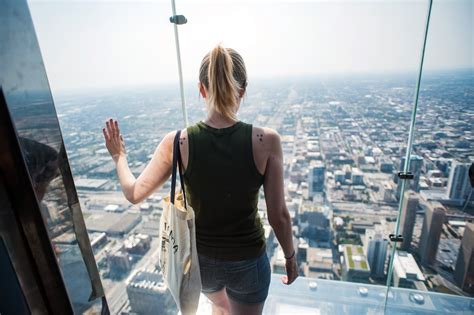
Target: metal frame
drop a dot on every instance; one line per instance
(178, 20)
(405, 175)
(50, 295)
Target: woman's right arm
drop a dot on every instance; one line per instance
(278, 215)
(155, 174)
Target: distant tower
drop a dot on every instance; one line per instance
(407, 218)
(431, 232)
(416, 163)
(458, 182)
(376, 251)
(316, 178)
(464, 271)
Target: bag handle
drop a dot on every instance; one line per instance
(177, 164)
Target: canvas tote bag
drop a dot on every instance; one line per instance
(178, 256)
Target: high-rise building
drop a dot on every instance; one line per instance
(148, 294)
(347, 169)
(464, 271)
(137, 244)
(355, 267)
(386, 165)
(406, 273)
(339, 176)
(431, 232)
(119, 261)
(416, 163)
(407, 218)
(357, 177)
(316, 178)
(376, 251)
(458, 182)
(277, 261)
(319, 263)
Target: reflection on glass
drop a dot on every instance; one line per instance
(24, 82)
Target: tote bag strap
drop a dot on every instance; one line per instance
(177, 164)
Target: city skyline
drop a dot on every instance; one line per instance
(105, 45)
(343, 144)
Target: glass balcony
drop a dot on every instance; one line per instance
(319, 296)
(340, 91)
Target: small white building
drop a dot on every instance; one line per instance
(406, 272)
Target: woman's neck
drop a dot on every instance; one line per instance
(217, 120)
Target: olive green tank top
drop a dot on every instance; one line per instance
(222, 185)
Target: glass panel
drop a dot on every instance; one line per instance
(318, 296)
(114, 60)
(337, 91)
(25, 85)
(335, 79)
(437, 249)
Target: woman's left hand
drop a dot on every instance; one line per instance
(113, 139)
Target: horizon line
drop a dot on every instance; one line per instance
(259, 78)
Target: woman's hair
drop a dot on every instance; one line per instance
(224, 76)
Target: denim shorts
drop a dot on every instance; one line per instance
(245, 281)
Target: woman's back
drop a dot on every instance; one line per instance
(223, 160)
(222, 185)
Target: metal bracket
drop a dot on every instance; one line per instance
(396, 238)
(178, 19)
(407, 175)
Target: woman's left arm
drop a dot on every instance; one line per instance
(153, 176)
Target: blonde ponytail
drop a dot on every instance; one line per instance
(224, 75)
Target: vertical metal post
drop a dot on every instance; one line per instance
(180, 70)
(408, 153)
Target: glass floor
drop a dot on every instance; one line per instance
(317, 296)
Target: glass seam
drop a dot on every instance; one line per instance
(408, 152)
(180, 69)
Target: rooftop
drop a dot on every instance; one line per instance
(112, 222)
(354, 255)
(406, 267)
(147, 279)
(89, 183)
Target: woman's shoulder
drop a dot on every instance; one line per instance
(266, 140)
(168, 139)
(265, 144)
(265, 133)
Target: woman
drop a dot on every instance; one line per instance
(225, 162)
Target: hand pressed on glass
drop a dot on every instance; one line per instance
(113, 139)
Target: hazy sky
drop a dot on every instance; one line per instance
(116, 43)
